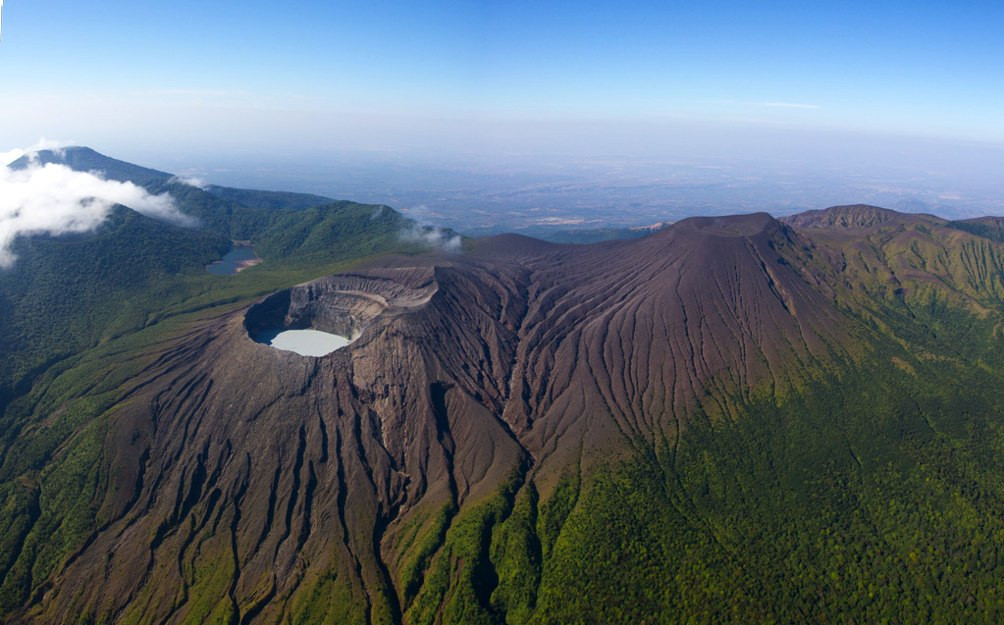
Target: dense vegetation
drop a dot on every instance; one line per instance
(875, 497)
(989, 227)
(873, 494)
(67, 292)
(877, 505)
(270, 200)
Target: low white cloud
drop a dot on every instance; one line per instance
(8, 157)
(422, 232)
(433, 237)
(54, 199)
(191, 181)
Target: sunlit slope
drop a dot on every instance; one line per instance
(912, 257)
(733, 420)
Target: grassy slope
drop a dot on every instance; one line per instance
(271, 200)
(877, 499)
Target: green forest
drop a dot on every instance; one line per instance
(871, 493)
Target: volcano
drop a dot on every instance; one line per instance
(637, 424)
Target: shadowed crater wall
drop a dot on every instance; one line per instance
(318, 307)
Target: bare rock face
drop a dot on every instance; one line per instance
(342, 305)
(244, 476)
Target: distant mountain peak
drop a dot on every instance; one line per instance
(853, 216)
(82, 158)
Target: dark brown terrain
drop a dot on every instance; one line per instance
(240, 482)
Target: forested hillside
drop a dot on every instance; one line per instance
(733, 420)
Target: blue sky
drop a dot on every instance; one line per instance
(199, 76)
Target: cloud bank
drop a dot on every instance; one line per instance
(191, 181)
(54, 200)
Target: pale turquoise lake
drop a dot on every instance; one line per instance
(308, 342)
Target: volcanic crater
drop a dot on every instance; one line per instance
(503, 366)
(317, 318)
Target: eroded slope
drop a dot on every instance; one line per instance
(426, 472)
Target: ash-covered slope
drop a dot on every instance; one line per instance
(244, 484)
(623, 341)
(276, 470)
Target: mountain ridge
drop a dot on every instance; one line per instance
(85, 159)
(733, 419)
(537, 404)
(854, 216)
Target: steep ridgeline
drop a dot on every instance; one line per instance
(79, 158)
(732, 420)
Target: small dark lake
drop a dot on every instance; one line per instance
(241, 257)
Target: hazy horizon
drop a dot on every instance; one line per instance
(460, 110)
